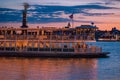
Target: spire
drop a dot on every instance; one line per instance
(68, 25)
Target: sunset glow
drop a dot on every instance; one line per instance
(104, 13)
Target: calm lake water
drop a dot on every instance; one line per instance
(64, 69)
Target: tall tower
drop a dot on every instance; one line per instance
(24, 18)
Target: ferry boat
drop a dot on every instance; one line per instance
(36, 42)
(107, 40)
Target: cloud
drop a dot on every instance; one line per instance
(50, 13)
(10, 15)
(111, 2)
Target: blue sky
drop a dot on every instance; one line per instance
(102, 12)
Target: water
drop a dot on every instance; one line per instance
(64, 69)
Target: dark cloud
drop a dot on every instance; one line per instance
(97, 14)
(109, 2)
(96, 3)
(87, 13)
(67, 9)
(48, 13)
(6, 9)
(10, 15)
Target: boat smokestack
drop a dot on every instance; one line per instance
(24, 14)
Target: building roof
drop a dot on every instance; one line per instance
(86, 26)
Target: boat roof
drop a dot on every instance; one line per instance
(86, 26)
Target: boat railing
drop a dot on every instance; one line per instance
(43, 37)
(80, 50)
(92, 49)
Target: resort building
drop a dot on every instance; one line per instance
(112, 35)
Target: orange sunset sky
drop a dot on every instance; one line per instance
(104, 13)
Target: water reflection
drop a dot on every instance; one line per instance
(48, 69)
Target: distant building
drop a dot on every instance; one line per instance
(113, 35)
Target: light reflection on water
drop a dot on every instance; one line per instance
(47, 69)
(64, 69)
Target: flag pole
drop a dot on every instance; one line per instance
(72, 23)
(71, 17)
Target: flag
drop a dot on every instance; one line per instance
(71, 16)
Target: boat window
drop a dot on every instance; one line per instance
(65, 46)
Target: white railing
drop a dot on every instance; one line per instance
(92, 49)
(89, 49)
